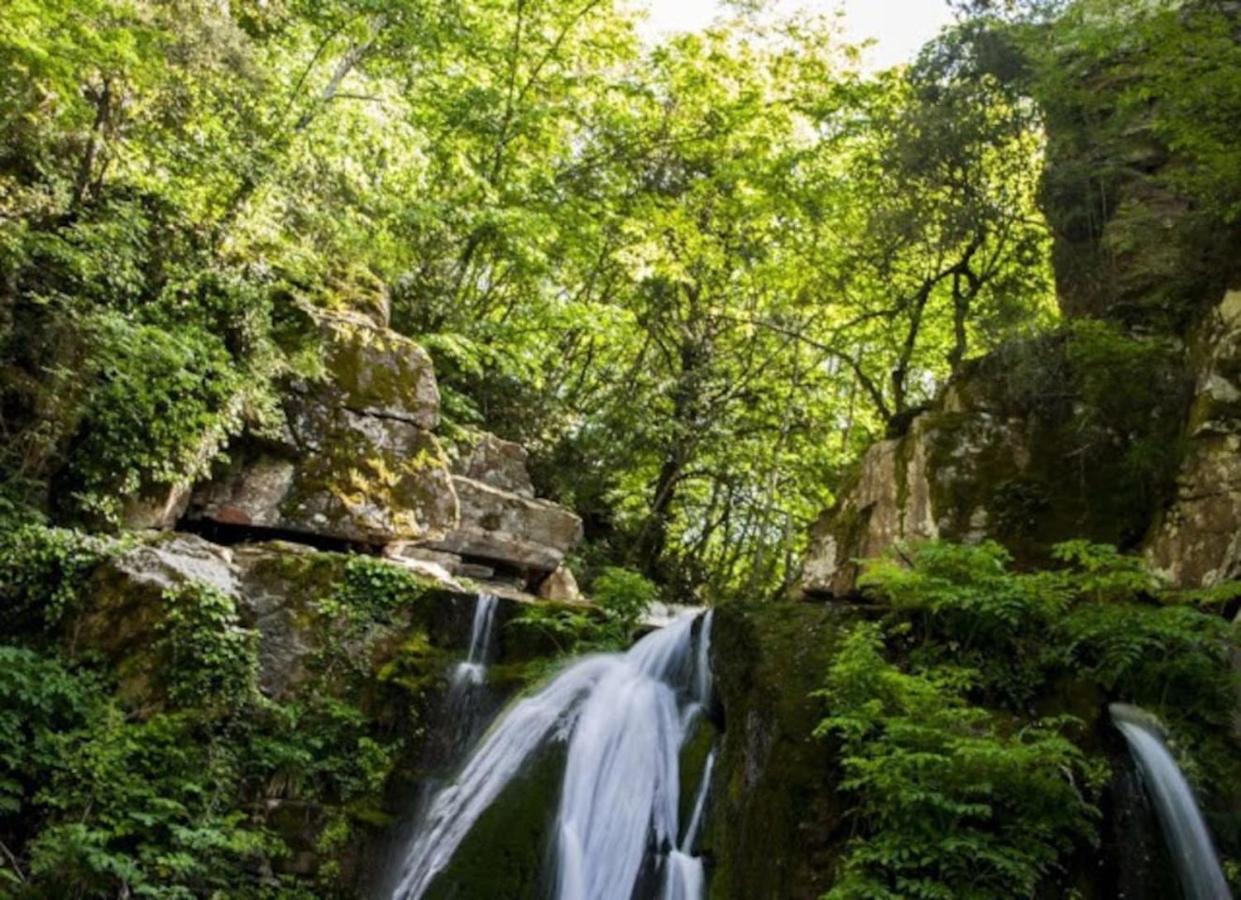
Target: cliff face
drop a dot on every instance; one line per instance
(1124, 427)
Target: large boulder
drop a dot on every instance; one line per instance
(130, 598)
(376, 372)
(1196, 542)
(520, 532)
(497, 462)
(357, 461)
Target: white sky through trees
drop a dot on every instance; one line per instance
(899, 27)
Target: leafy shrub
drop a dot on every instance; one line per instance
(42, 571)
(625, 595)
(156, 412)
(951, 805)
(211, 659)
(960, 789)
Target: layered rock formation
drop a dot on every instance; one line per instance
(357, 461)
(358, 464)
(1086, 448)
(1196, 541)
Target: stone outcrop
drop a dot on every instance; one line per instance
(996, 459)
(517, 531)
(1068, 460)
(358, 461)
(1196, 542)
(283, 592)
(497, 462)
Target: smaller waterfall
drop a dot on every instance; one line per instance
(1189, 842)
(472, 670)
(685, 877)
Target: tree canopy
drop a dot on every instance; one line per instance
(696, 278)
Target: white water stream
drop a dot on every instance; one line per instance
(1189, 841)
(472, 671)
(624, 717)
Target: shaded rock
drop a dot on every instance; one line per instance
(402, 551)
(519, 531)
(498, 463)
(157, 508)
(128, 607)
(775, 825)
(1129, 244)
(1196, 542)
(281, 582)
(560, 586)
(1042, 442)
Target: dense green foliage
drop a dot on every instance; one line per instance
(697, 278)
(668, 270)
(961, 784)
(198, 785)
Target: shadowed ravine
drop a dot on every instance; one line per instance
(624, 717)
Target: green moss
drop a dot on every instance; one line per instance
(774, 828)
(1073, 434)
(504, 854)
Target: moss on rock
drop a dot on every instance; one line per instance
(774, 829)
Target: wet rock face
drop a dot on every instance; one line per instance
(775, 819)
(1196, 542)
(358, 461)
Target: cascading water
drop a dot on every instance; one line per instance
(685, 876)
(1185, 831)
(472, 670)
(624, 717)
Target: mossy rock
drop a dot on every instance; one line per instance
(775, 828)
(506, 852)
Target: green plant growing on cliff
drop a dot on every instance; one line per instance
(211, 659)
(950, 801)
(42, 572)
(940, 697)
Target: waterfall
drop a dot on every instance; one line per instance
(685, 876)
(624, 717)
(1185, 831)
(472, 670)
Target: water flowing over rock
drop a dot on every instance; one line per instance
(624, 717)
(1185, 831)
(686, 876)
(474, 668)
